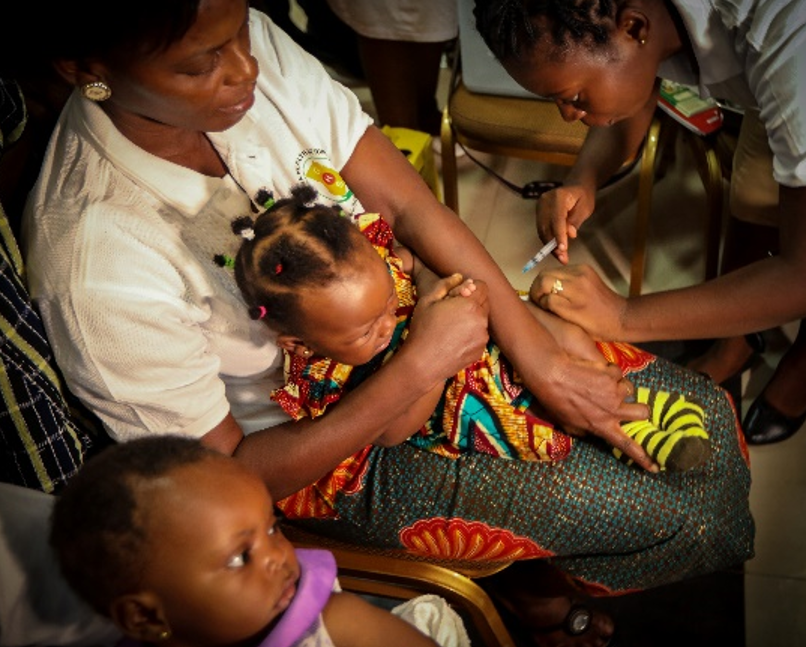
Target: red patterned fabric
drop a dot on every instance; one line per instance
(467, 540)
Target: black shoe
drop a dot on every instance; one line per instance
(764, 424)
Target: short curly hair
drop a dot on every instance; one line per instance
(511, 28)
(97, 527)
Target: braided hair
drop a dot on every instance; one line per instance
(292, 246)
(98, 526)
(511, 28)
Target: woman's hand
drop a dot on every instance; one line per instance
(449, 333)
(441, 289)
(577, 294)
(594, 396)
(584, 362)
(561, 212)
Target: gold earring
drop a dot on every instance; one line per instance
(642, 41)
(164, 634)
(96, 91)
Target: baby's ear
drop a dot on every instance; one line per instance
(140, 616)
(290, 343)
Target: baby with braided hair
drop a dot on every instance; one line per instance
(342, 300)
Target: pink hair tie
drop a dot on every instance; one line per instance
(261, 311)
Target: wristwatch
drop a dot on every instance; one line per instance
(578, 620)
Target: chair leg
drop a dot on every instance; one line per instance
(710, 170)
(643, 207)
(667, 140)
(450, 182)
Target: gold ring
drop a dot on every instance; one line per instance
(557, 287)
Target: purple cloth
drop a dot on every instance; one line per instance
(317, 575)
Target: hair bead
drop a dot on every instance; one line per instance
(244, 227)
(258, 312)
(265, 198)
(223, 260)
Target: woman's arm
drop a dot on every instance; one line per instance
(767, 293)
(430, 288)
(412, 421)
(580, 393)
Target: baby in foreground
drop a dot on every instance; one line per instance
(179, 545)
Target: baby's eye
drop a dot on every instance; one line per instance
(240, 560)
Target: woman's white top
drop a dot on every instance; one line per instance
(149, 331)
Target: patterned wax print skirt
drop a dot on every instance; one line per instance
(611, 525)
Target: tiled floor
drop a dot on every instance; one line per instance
(765, 605)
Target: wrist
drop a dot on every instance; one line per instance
(586, 178)
(627, 325)
(411, 361)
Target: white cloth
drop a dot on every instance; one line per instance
(149, 331)
(317, 636)
(432, 615)
(408, 20)
(37, 607)
(752, 52)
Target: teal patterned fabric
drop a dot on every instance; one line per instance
(613, 526)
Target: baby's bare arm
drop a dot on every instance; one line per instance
(353, 622)
(425, 280)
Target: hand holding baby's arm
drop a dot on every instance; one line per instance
(457, 334)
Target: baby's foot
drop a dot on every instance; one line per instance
(674, 436)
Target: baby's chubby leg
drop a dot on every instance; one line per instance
(573, 339)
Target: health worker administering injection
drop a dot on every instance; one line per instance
(602, 62)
